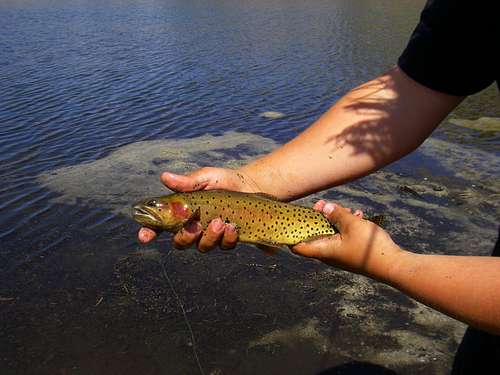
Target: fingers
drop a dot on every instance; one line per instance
(212, 236)
(217, 233)
(230, 237)
(318, 206)
(358, 213)
(187, 236)
(320, 249)
(146, 235)
(176, 182)
(336, 214)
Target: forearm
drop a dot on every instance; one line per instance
(370, 127)
(464, 287)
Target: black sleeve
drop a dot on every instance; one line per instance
(454, 47)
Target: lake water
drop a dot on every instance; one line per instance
(98, 97)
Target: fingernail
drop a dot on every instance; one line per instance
(146, 235)
(217, 225)
(319, 204)
(143, 237)
(328, 208)
(193, 227)
(231, 227)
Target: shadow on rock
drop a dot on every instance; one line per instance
(358, 368)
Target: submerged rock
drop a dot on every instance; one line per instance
(272, 115)
(483, 124)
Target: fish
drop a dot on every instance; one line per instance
(260, 219)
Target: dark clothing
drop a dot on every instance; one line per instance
(478, 353)
(454, 50)
(496, 250)
(455, 47)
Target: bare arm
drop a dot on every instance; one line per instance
(464, 287)
(370, 127)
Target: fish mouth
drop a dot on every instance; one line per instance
(142, 214)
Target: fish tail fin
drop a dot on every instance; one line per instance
(378, 219)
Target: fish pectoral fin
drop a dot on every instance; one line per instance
(195, 216)
(268, 248)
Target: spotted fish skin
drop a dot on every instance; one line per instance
(259, 219)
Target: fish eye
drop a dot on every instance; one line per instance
(151, 203)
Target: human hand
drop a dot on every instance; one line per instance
(360, 246)
(217, 231)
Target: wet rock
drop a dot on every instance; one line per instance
(272, 115)
(482, 124)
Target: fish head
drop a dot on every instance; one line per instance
(168, 213)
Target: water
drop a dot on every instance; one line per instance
(82, 82)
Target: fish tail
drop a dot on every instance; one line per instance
(378, 219)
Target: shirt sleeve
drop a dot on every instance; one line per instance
(453, 49)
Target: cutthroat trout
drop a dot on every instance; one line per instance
(259, 219)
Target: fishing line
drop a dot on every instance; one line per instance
(179, 302)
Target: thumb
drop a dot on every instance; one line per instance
(176, 182)
(320, 248)
(339, 216)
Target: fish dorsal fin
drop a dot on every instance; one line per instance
(267, 196)
(267, 247)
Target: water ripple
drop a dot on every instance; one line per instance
(76, 83)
